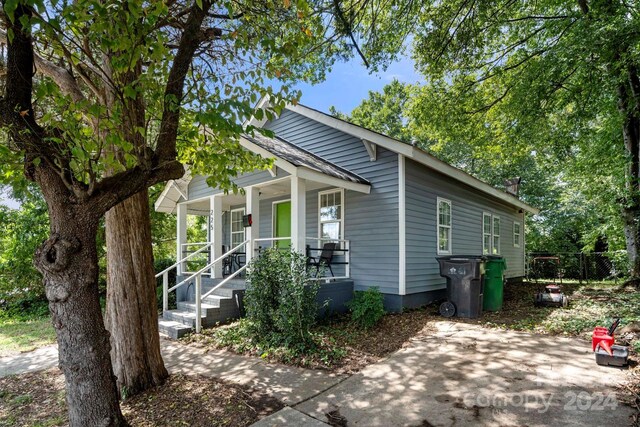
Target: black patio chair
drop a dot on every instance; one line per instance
(325, 258)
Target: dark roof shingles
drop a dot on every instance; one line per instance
(300, 157)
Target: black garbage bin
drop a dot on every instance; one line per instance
(465, 275)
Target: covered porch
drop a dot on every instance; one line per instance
(298, 204)
(286, 213)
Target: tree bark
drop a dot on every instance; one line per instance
(131, 315)
(629, 108)
(68, 260)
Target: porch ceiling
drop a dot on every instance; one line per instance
(268, 190)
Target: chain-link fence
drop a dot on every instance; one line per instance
(582, 266)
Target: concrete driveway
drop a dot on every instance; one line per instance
(466, 375)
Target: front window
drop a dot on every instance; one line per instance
(444, 226)
(331, 209)
(237, 227)
(516, 234)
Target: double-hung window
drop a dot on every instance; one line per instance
(496, 235)
(331, 213)
(517, 234)
(237, 227)
(486, 233)
(444, 226)
(490, 234)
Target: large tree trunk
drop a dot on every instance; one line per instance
(68, 261)
(132, 315)
(629, 108)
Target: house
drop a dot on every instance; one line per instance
(392, 208)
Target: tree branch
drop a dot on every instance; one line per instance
(349, 30)
(584, 7)
(61, 76)
(166, 147)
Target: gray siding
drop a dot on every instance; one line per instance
(423, 186)
(371, 220)
(198, 187)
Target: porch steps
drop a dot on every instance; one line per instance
(173, 330)
(220, 307)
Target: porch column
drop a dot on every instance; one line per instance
(181, 236)
(215, 203)
(253, 209)
(298, 213)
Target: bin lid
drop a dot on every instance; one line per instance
(462, 257)
(496, 259)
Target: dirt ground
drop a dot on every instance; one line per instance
(38, 399)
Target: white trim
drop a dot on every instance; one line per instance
(402, 226)
(231, 232)
(438, 225)
(273, 216)
(312, 175)
(371, 149)
(262, 104)
(342, 210)
(252, 207)
(273, 171)
(215, 203)
(181, 233)
(490, 234)
(298, 214)
(519, 234)
(410, 152)
(494, 235)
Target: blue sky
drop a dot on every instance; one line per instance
(349, 83)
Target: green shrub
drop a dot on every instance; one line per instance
(280, 300)
(367, 307)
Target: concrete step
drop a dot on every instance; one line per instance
(173, 330)
(191, 306)
(220, 292)
(217, 300)
(184, 317)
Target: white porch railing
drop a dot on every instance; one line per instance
(165, 274)
(198, 281)
(184, 252)
(345, 249)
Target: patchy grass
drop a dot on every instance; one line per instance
(18, 335)
(590, 305)
(38, 399)
(340, 345)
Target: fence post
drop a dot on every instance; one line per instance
(580, 255)
(198, 306)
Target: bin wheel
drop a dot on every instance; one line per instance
(447, 309)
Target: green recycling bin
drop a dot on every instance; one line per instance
(494, 283)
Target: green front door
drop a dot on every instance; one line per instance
(282, 223)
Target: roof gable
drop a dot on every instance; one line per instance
(409, 151)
